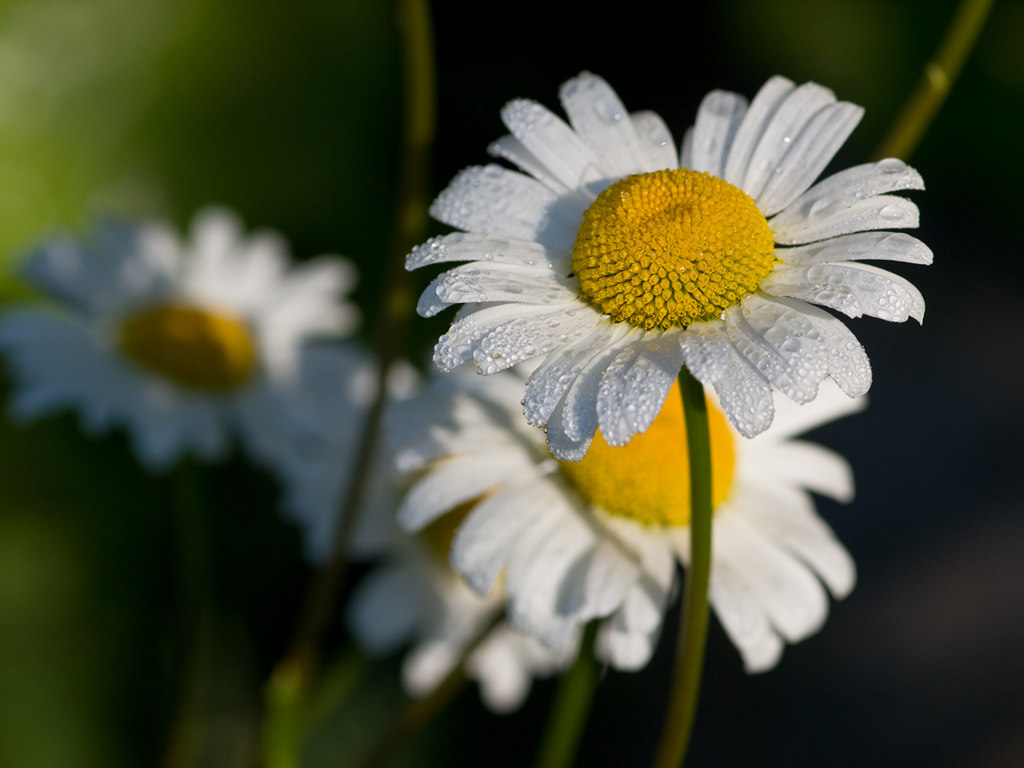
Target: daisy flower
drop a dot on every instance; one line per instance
(184, 344)
(569, 542)
(411, 597)
(621, 260)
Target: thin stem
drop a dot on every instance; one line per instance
(419, 713)
(936, 80)
(682, 706)
(570, 708)
(390, 325)
(292, 679)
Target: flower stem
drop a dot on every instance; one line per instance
(570, 708)
(936, 80)
(418, 713)
(290, 683)
(693, 630)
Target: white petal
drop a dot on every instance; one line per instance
(512, 149)
(463, 337)
(781, 343)
(450, 483)
(550, 380)
(503, 674)
(718, 119)
(811, 151)
(597, 582)
(808, 466)
(479, 282)
(427, 664)
(743, 393)
(655, 141)
(850, 201)
(527, 337)
(635, 384)
(466, 246)
(386, 607)
(862, 246)
(793, 599)
(848, 363)
(623, 647)
(574, 420)
(603, 122)
(752, 127)
(556, 146)
(851, 288)
(830, 404)
(484, 541)
(779, 135)
(492, 200)
(881, 212)
(537, 570)
(743, 619)
(789, 519)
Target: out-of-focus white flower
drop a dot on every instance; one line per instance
(570, 542)
(185, 344)
(411, 597)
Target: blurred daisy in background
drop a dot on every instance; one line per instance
(411, 596)
(568, 542)
(186, 344)
(622, 260)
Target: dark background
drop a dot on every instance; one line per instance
(289, 112)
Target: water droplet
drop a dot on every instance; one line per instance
(891, 165)
(891, 213)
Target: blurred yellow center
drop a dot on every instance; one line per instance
(194, 348)
(670, 248)
(439, 534)
(648, 479)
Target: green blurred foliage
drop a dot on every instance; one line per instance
(289, 112)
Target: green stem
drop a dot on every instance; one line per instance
(291, 681)
(570, 708)
(419, 713)
(936, 80)
(682, 706)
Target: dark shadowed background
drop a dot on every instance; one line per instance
(289, 113)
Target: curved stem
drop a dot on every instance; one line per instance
(936, 80)
(418, 713)
(570, 708)
(693, 630)
(291, 680)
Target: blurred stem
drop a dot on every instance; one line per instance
(296, 717)
(682, 705)
(570, 708)
(291, 681)
(936, 80)
(198, 737)
(418, 713)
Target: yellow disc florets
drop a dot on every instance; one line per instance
(648, 479)
(194, 348)
(670, 248)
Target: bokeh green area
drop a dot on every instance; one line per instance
(290, 113)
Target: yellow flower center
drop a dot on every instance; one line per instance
(438, 535)
(194, 348)
(670, 248)
(648, 479)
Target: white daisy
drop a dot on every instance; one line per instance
(183, 344)
(411, 596)
(600, 538)
(622, 261)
